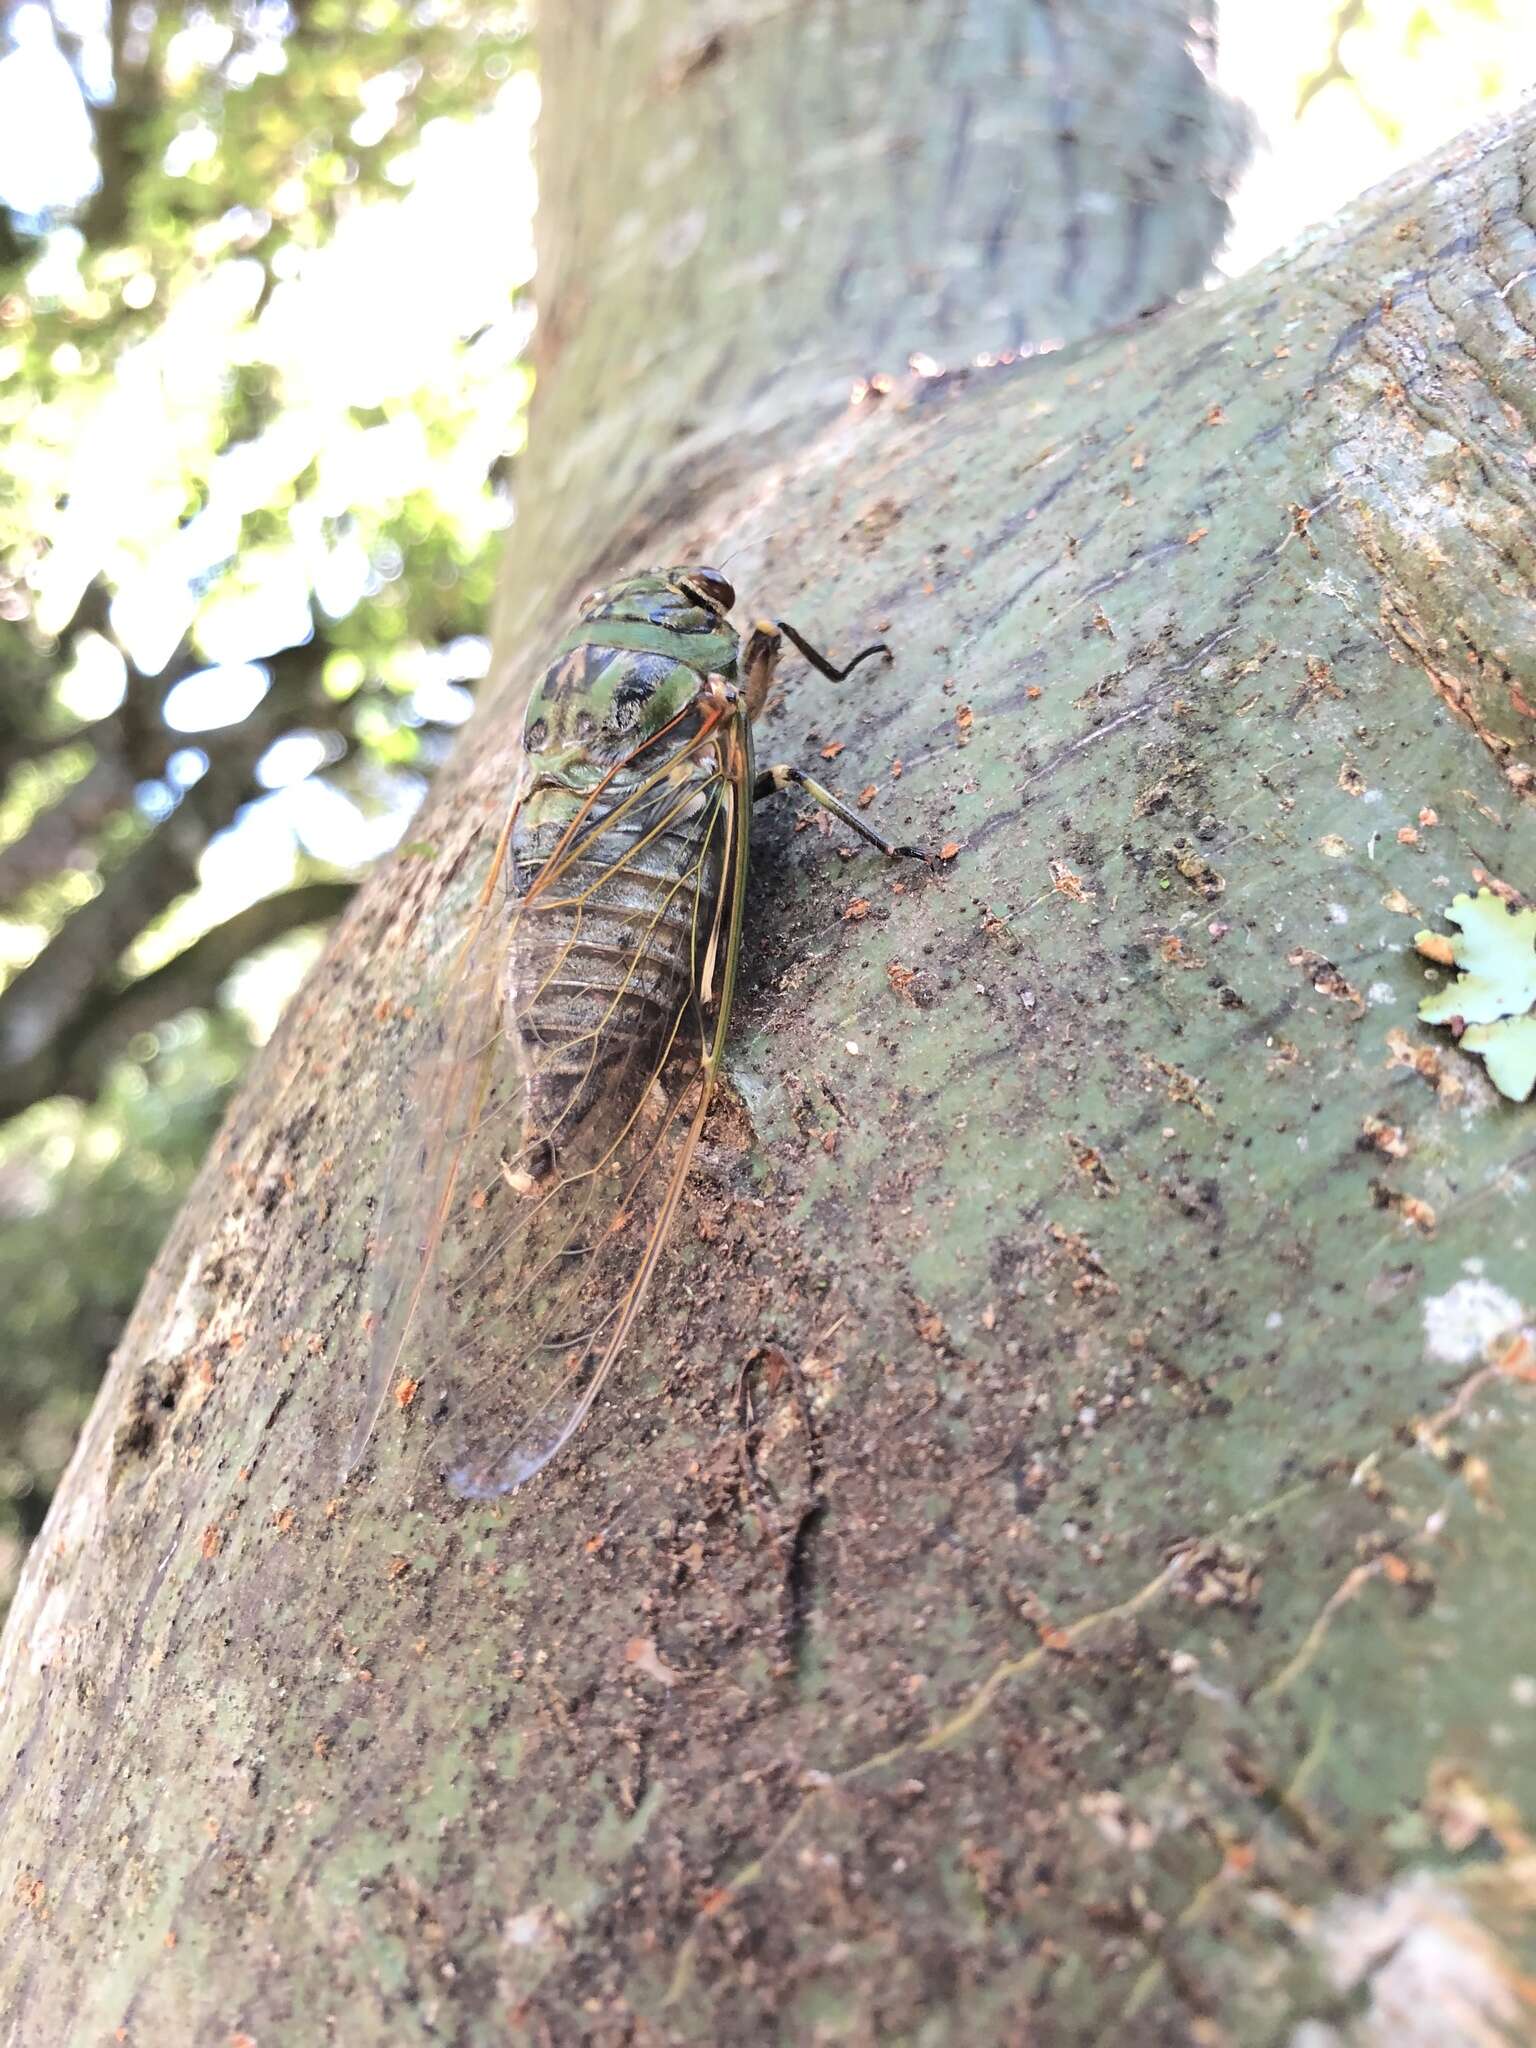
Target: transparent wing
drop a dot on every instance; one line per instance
(569, 1068)
(457, 1020)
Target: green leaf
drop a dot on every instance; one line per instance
(1494, 990)
(1509, 1051)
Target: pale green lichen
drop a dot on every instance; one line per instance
(1492, 1002)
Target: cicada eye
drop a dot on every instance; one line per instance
(592, 602)
(707, 587)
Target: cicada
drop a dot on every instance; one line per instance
(579, 1036)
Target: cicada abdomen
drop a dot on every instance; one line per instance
(622, 897)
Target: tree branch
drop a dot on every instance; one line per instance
(47, 999)
(26, 674)
(49, 1002)
(115, 124)
(131, 745)
(950, 190)
(58, 840)
(1333, 69)
(73, 1063)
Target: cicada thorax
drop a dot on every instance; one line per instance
(616, 875)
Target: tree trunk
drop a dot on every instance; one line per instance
(1117, 1625)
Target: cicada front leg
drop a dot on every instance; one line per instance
(820, 662)
(760, 656)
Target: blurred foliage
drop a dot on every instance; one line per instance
(1390, 54)
(262, 321)
(1344, 91)
(85, 1195)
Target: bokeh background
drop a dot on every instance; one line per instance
(264, 310)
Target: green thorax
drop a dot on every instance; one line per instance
(633, 663)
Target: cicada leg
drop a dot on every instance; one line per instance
(760, 654)
(786, 775)
(819, 661)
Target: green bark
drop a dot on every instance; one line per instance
(1115, 1625)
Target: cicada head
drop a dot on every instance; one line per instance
(688, 600)
(708, 588)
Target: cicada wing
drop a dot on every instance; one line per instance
(446, 1075)
(532, 1348)
(582, 1120)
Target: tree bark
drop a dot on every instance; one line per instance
(1114, 1624)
